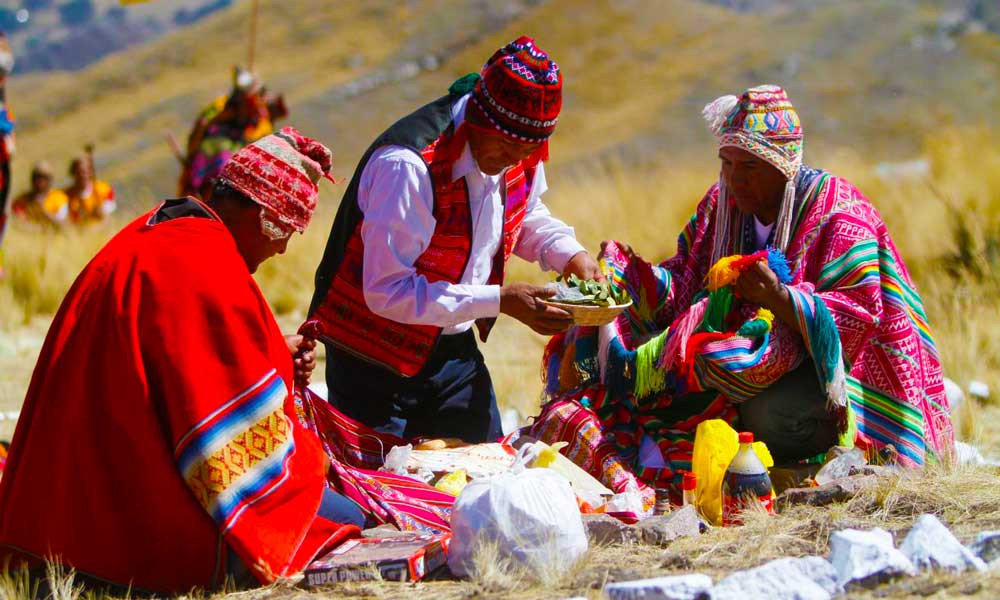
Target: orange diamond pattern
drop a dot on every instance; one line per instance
(218, 472)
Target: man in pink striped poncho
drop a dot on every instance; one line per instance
(808, 331)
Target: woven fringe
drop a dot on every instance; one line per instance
(720, 302)
(648, 378)
(848, 427)
(620, 378)
(784, 223)
(675, 350)
(827, 353)
(722, 223)
(605, 334)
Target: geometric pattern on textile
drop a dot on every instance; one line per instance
(765, 123)
(237, 454)
(845, 269)
(356, 451)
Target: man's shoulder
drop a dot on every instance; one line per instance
(396, 154)
(188, 246)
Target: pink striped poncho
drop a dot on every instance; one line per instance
(609, 387)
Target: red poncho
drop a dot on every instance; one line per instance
(159, 426)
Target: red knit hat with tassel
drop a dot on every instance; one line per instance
(519, 93)
(280, 172)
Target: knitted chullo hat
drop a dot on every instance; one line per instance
(763, 122)
(280, 172)
(519, 93)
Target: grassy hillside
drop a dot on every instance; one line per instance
(874, 82)
(872, 78)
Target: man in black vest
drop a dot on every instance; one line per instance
(417, 252)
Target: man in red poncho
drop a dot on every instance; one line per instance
(158, 445)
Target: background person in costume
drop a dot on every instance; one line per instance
(223, 127)
(821, 334)
(90, 200)
(42, 204)
(158, 446)
(6, 138)
(417, 252)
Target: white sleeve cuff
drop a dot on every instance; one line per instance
(558, 253)
(485, 301)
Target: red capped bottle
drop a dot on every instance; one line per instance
(746, 483)
(689, 487)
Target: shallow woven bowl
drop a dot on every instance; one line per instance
(591, 315)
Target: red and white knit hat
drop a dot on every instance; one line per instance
(280, 172)
(519, 93)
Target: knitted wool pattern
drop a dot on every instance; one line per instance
(762, 121)
(280, 172)
(520, 92)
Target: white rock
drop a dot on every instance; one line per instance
(978, 389)
(861, 555)
(930, 545)
(967, 454)
(678, 587)
(987, 546)
(955, 395)
(809, 578)
(840, 467)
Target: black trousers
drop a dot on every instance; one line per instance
(451, 397)
(791, 416)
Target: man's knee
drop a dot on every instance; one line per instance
(791, 416)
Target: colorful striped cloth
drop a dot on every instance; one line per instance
(238, 453)
(671, 361)
(356, 451)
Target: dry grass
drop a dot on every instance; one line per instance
(630, 162)
(963, 314)
(963, 498)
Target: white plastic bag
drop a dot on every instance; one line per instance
(541, 455)
(396, 459)
(629, 501)
(531, 516)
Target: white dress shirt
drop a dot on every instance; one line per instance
(397, 199)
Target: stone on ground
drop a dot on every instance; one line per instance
(987, 546)
(808, 578)
(791, 476)
(605, 530)
(839, 464)
(837, 491)
(663, 529)
(955, 395)
(867, 557)
(930, 545)
(677, 587)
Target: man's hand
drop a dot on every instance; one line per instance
(524, 302)
(583, 266)
(629, 252)
(303, 352)
(760, 285)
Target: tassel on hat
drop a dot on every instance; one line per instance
(280, 172)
